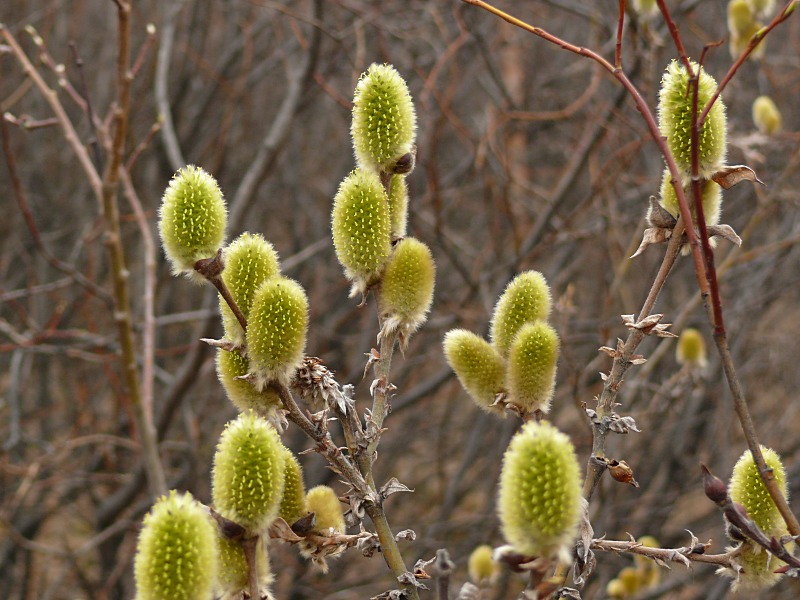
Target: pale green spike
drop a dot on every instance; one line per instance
(525, 299)
(766, 116)
(293, 503)
(712, 199)
(323, 501)
(398, 206)
(478, 366)
(531, 374)
(242, 393)
(407, 286)
(233, 578)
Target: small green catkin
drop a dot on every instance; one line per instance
(482, 568)
(191, 220)
(675, 120)
(247, 478)
(712, 199)
(176, 555)
(322, 501)
(249, 261)
(384, 122)
(276, 331)
(398, 206)
(479, 367)
(747, 488)
(361, 228)
(407, 286)
(540, 500)
(241, 393)
(531, 372)
(691, 348)
(293, 503)
(646, 9)
(525, 299)
(233, 574)
(766, 116)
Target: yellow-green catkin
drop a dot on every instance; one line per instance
(384, 122)
(479, 367)
(712, 199)
(242, 393)
(249, 261)
(482, 568)
(766, 116)
(322, 501)
(247, 478)
(191, 220)
(743, 24)
(675, 120)
(176, 556)
(762, 8)
(691, 349)
(646, 9)
(293, 503)
(525, 299)
(748, 489)
(407, 286)
(398, 206)
(540, 498)
(361, 228)
(531, 373)
(276, 331)
(233, 574)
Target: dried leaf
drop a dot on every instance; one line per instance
(725, 231)
(622, 425)
(733, 174)
(391, 595)
(569, 593)
(392, 487)
(659, 217)
(652, 235)
(410, 578)
(406, 534)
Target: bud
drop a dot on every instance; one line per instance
(276, 331)
(249, 261)
(540, 498)
(293, 503)
(525, 299)
(762, 8)
(176, 556)
(322, 501)
(712, 199)
(531, 375)
(478, 366)
(691, 349)
(247, 479)
(361, 227)
(192, 220)
(384, 123)
(241, 393)
(766, 116)
(234, 572)
(740, 18)
(675, 120)
(481, 566)
(646, 9)
(407, 286)
(398, 206)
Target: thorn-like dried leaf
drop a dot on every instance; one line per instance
(223, 344)
(730, 176)
(407, 534)
(392, 487)
(610, 351)
(652, 235)
(638, 359)
(725, 231)
(412, 578)
(622, 425)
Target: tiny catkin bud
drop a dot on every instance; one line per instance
(276, 331)
(241, 393)
(361, 227)
(525, 299)
(482, 568)
(740, 18)
(762, 8)
(176, 556)
(691, 349)
(322, 501)
(293, 503)
(192, 220)
(232, 578)
(249, 261)
(646, 9)
(384, 122)
(407, 286)
(712, 199)
(247, 478)
(766, 116)
(675, 120)
(398, 206)
(531, 374)
(478, 366)
(540, 498)
(748, 489)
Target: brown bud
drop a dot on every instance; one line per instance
(621, 472)
(405, 164)
(714, 487)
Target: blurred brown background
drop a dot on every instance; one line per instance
(529, 157)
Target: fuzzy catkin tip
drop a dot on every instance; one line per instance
(766, 116)
(293, 503)
(176, 555)
(479, 367)
(531, 373)
(247, 478)
(525, 299)
(540, 499)
(407, 285)
(191, 220)
(384, 122)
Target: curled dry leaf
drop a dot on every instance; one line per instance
(659, 217)
(733, 174)
(407, 534)
(622, 425)
(725, 231)
(652, 235)
(413, 579)
(650, 325)
(392, 487)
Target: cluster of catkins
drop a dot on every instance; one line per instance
(539, 500)
(184, 553)
(745, 20)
